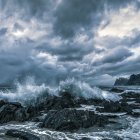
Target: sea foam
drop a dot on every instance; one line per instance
(30, 92)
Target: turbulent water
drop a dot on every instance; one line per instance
(30, 93)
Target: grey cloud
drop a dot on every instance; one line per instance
(69, 19)
(117, 55)
(27, 9)
(3, 31)
(69, 51)
(72, 15)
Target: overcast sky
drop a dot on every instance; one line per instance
(92, 40)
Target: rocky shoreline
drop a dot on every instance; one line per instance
(66, 113)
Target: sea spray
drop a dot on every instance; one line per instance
(81, 89)
(31, 93)
(27, 92)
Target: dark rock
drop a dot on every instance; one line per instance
(2, 102)
(17, 104)
(134, 80)
(7, 113)
(72, 119)
(64, 101)
(121, 81)
(13, 111)
(84, 138)
(22, 135)
(131, 95)
(117, 90)
(21, 115)
(114, 107)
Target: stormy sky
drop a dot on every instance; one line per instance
(92, 40)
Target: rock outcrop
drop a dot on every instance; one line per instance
(121, 81)
(132, 80)
(72, 119)
(21, 134)
(14, 111)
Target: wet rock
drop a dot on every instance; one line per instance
(7, 113)
(72, 119)
(114, 107)
(21, 115)
(64, 101)
(117, 90)
(131, 95)
(13, 111)
(17, 104)
(2, 102)
(21, 134)
(85, 138)
(136, 112)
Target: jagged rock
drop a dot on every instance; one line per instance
(134, 80)
(7, 113)
(114, 107)
(131, 95)
(21, 134)
(13, 111)
(2, 102)
(72, 119)
(21, 115)
(121, 81)
(61, 102)
(84, 138)
(117, 90)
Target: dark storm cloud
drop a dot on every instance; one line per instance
(72, 15)
(70, 51)
(26, 9)
(3, 31)
(25, 28)
(123, 68)
(117, 55)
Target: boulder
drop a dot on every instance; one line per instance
(7, 113)
(65, 100)
(21, 134)
(2, 102)
(117, 90)
(115, 107)
(72, 119)
(13, 111)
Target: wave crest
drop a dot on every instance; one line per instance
(31, 93)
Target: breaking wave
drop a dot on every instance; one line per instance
(30, 92)
(82, 89)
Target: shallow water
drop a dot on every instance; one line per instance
(126, 128)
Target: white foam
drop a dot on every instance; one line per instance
(82, 89)
(26, 92)
(30, 92)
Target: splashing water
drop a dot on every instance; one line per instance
(81, 89)
(27, 92)
(30, 92)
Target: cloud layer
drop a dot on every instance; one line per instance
(91, 40)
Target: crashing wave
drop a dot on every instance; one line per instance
(81, 89)
(31, 93)
(27, 93)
